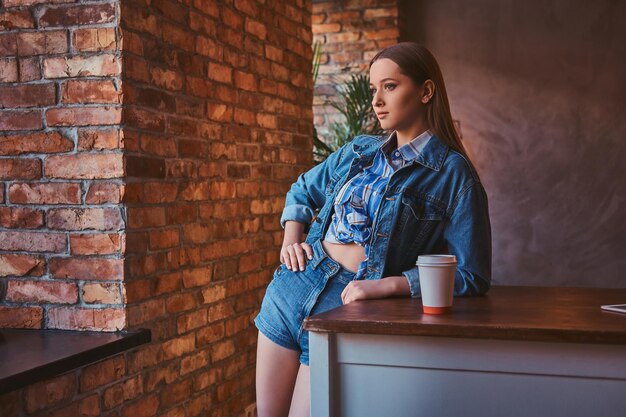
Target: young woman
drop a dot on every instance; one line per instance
(368, 211)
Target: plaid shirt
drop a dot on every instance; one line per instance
(357, 203)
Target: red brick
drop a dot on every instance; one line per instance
(180, 302)
(21, 317)
(178, 346)
(145, 311)
(137, 290)
(16, 19)
(145, 217)
(220, 73)
(18, 3)
(77, 15)
(84, 116)
(248, 7)
(101, 293)
(20, 120)
(96, 244)
(32, 241)
(86, 268)
(42, 291)
(194, 362)
(220, 311)
(85, 218)
(194, 191)
(29, 69)
(102, 373)
(95, 39)
(75, 318)
(102, 193)
(45, 193)
(175, 35)
(79, 66)
(20, 218)
(8, 70)
(91, 91)
(147, 406)
(30, 95)
(86, 407)
(219, 112)
(232, 19)
(48, 142)
(14, 169)
(49, 393)
(21, 265)
(91, 139)
(190, 321)
(198, 276)
(42, 42)
(161, 376)
(85, 166)
(123, 392)
(210, 8)
(163, 239)
(168, 283)
(167, 79)
(8, 44)
(256, 28)
(176, 393)
(222, 350)
(10, 404)
(200, 23)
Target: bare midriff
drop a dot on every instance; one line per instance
(348, 255)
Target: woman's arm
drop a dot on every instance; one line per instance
(468, 237)
(375, 288)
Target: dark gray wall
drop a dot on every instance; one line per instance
(539, 88)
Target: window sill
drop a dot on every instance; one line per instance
(29, 356)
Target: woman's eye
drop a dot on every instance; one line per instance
(372, 91)
(389, 87)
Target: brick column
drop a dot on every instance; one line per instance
(351, 32)
(61, 166)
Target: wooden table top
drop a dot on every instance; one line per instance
(550, 314)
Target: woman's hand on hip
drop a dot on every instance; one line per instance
(374, 288)
(294, 252)
(295, 255)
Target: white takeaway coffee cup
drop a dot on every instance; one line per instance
(437, 282)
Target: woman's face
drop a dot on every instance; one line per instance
(397, 99)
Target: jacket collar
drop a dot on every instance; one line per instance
(432, 156)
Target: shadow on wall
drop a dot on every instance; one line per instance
(539, 91)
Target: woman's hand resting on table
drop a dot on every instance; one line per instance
(375, 288)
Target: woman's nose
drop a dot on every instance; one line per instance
(377, 100)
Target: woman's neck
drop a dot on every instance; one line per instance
(409, 133)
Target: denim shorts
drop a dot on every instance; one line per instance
(294, 295)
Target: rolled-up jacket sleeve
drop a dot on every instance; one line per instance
(308, 193)
(468, 236)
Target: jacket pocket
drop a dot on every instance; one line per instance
(417, 219)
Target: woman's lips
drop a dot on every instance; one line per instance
(382, 114)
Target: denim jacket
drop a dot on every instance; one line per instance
(437, 204)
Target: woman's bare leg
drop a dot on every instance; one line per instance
(276, 372)
(301, 401)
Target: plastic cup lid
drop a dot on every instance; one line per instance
(436, 259)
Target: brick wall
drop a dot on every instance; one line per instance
(61, 166)
(172, 189)
(351, 32)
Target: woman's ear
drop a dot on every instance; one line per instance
(428, 90)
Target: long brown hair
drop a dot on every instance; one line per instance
(420, 65)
